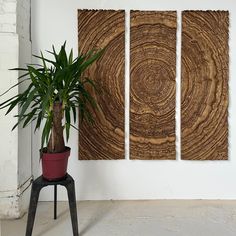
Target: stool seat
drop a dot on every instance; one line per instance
(37, 185)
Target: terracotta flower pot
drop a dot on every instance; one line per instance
(54, 165)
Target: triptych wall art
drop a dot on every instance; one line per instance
(105, 139)
(204, 84)
(152, 80)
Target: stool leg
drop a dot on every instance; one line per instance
(73, 210)
(55, 202)
(35, 190)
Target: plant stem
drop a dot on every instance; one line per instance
(56, 142)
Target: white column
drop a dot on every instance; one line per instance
(15, 156)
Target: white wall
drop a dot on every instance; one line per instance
(55, 21)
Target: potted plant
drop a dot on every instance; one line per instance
(56, 91)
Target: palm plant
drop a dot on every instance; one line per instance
(56, 88)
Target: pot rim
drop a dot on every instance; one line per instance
(68, 149)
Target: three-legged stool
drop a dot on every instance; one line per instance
(37, 185)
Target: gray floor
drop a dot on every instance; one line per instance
(129, 218)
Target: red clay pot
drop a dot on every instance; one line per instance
(54, 165)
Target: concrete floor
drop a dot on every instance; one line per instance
(133, 218)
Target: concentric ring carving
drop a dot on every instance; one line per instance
(100, 29)
(204, 98)
(152, 94)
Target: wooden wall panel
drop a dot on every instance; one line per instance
(204, 98)
(152, 95)
(104, 28)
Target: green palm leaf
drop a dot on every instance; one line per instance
(55, 81)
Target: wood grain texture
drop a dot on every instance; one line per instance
(104, 28)
(204, 98)
(152, 95)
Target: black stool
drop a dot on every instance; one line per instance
(37, 185)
